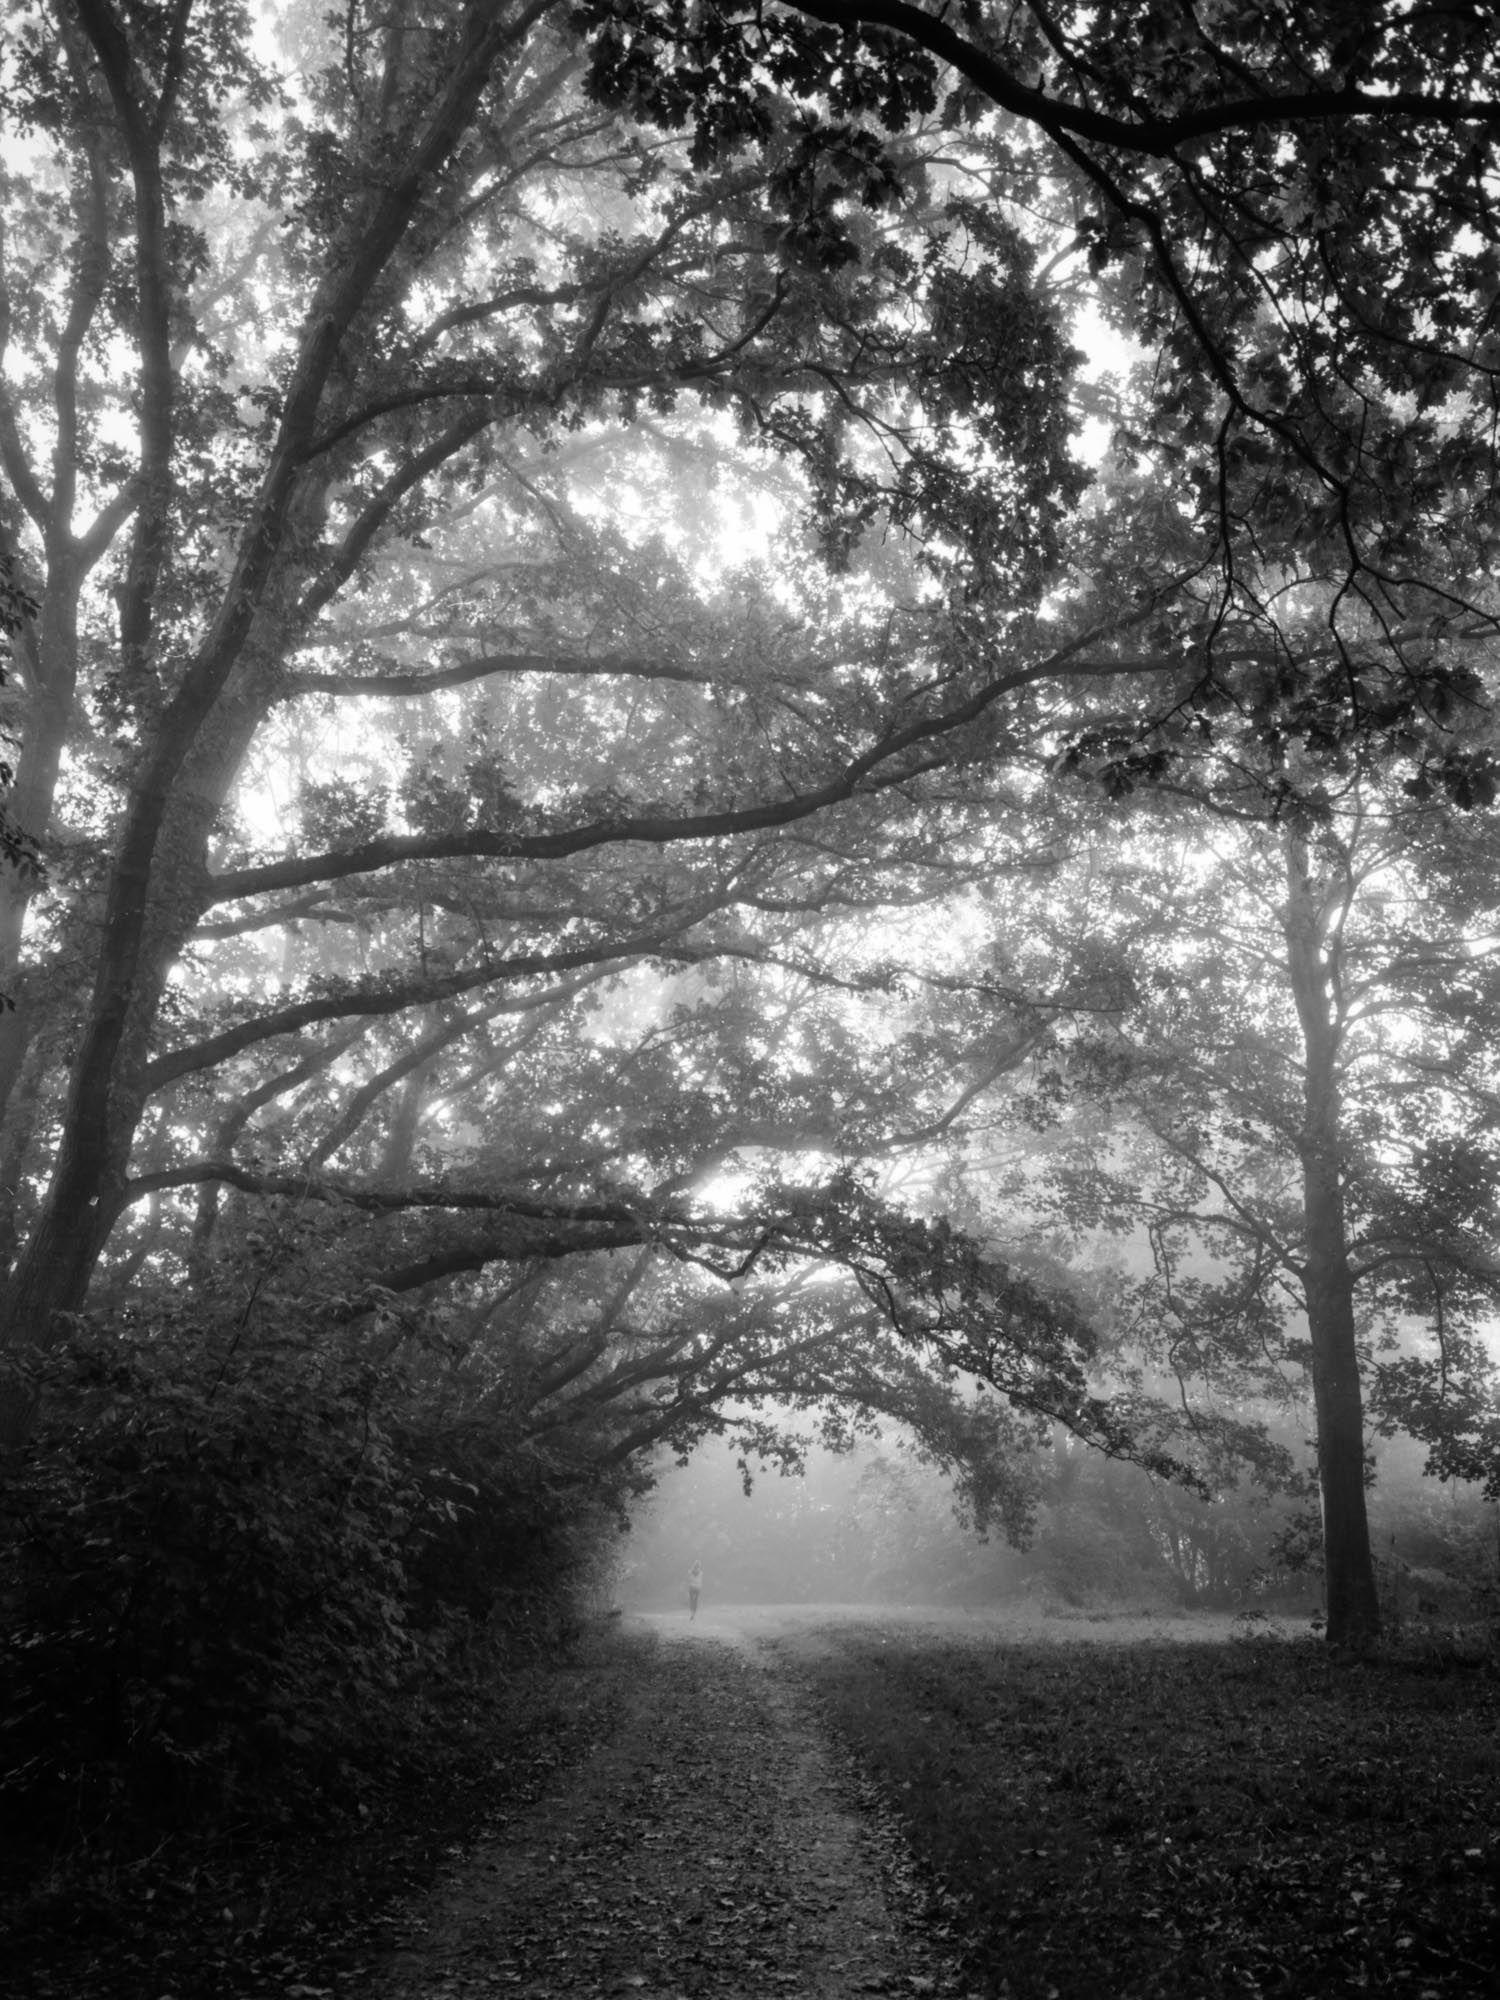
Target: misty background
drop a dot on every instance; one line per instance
(877, 1525)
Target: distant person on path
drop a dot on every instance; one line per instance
(695, 1584)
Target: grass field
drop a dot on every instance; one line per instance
(1143, 1808)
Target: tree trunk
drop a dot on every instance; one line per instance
(158, 864)
(1349, 1570)
(1313, 965)
(53, 1271)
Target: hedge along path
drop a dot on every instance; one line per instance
(717, 1844)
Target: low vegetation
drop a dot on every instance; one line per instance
(310, 1897)
(1140, 1807)
(274, 1611)
(312, 1902)
(1141, 1816)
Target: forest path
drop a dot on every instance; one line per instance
(717, 1844)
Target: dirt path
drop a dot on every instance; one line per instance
(718, 1845)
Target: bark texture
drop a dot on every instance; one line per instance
(1312, 927)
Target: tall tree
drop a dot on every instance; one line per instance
(333, 375)
(1294, 1105)
(384, 764)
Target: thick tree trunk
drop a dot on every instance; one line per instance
(90, 1184)
(1349, 1569)
(53, 1272)
(49, 652)
(157, 868)
(50, 656)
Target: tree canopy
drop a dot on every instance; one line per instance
(568, 659)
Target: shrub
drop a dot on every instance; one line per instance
(234, 1564)
(202, 1580)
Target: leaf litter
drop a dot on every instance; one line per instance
(716, 1845)
(817, 1806)
(1152, 1820)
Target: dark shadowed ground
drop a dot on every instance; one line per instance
(1142, 1809)
(798, 1802)
(810, 1801)
(717, 1844)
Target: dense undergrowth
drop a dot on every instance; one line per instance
(250, 1583)
(1152, 1820)
(316, 1901)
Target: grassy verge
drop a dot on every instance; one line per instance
(308, 1903)
(1128, 1821)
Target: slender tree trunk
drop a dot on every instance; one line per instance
(1349, 1569)
(17, 1136)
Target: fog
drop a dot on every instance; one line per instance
(868, 1526)
(877, 1526)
